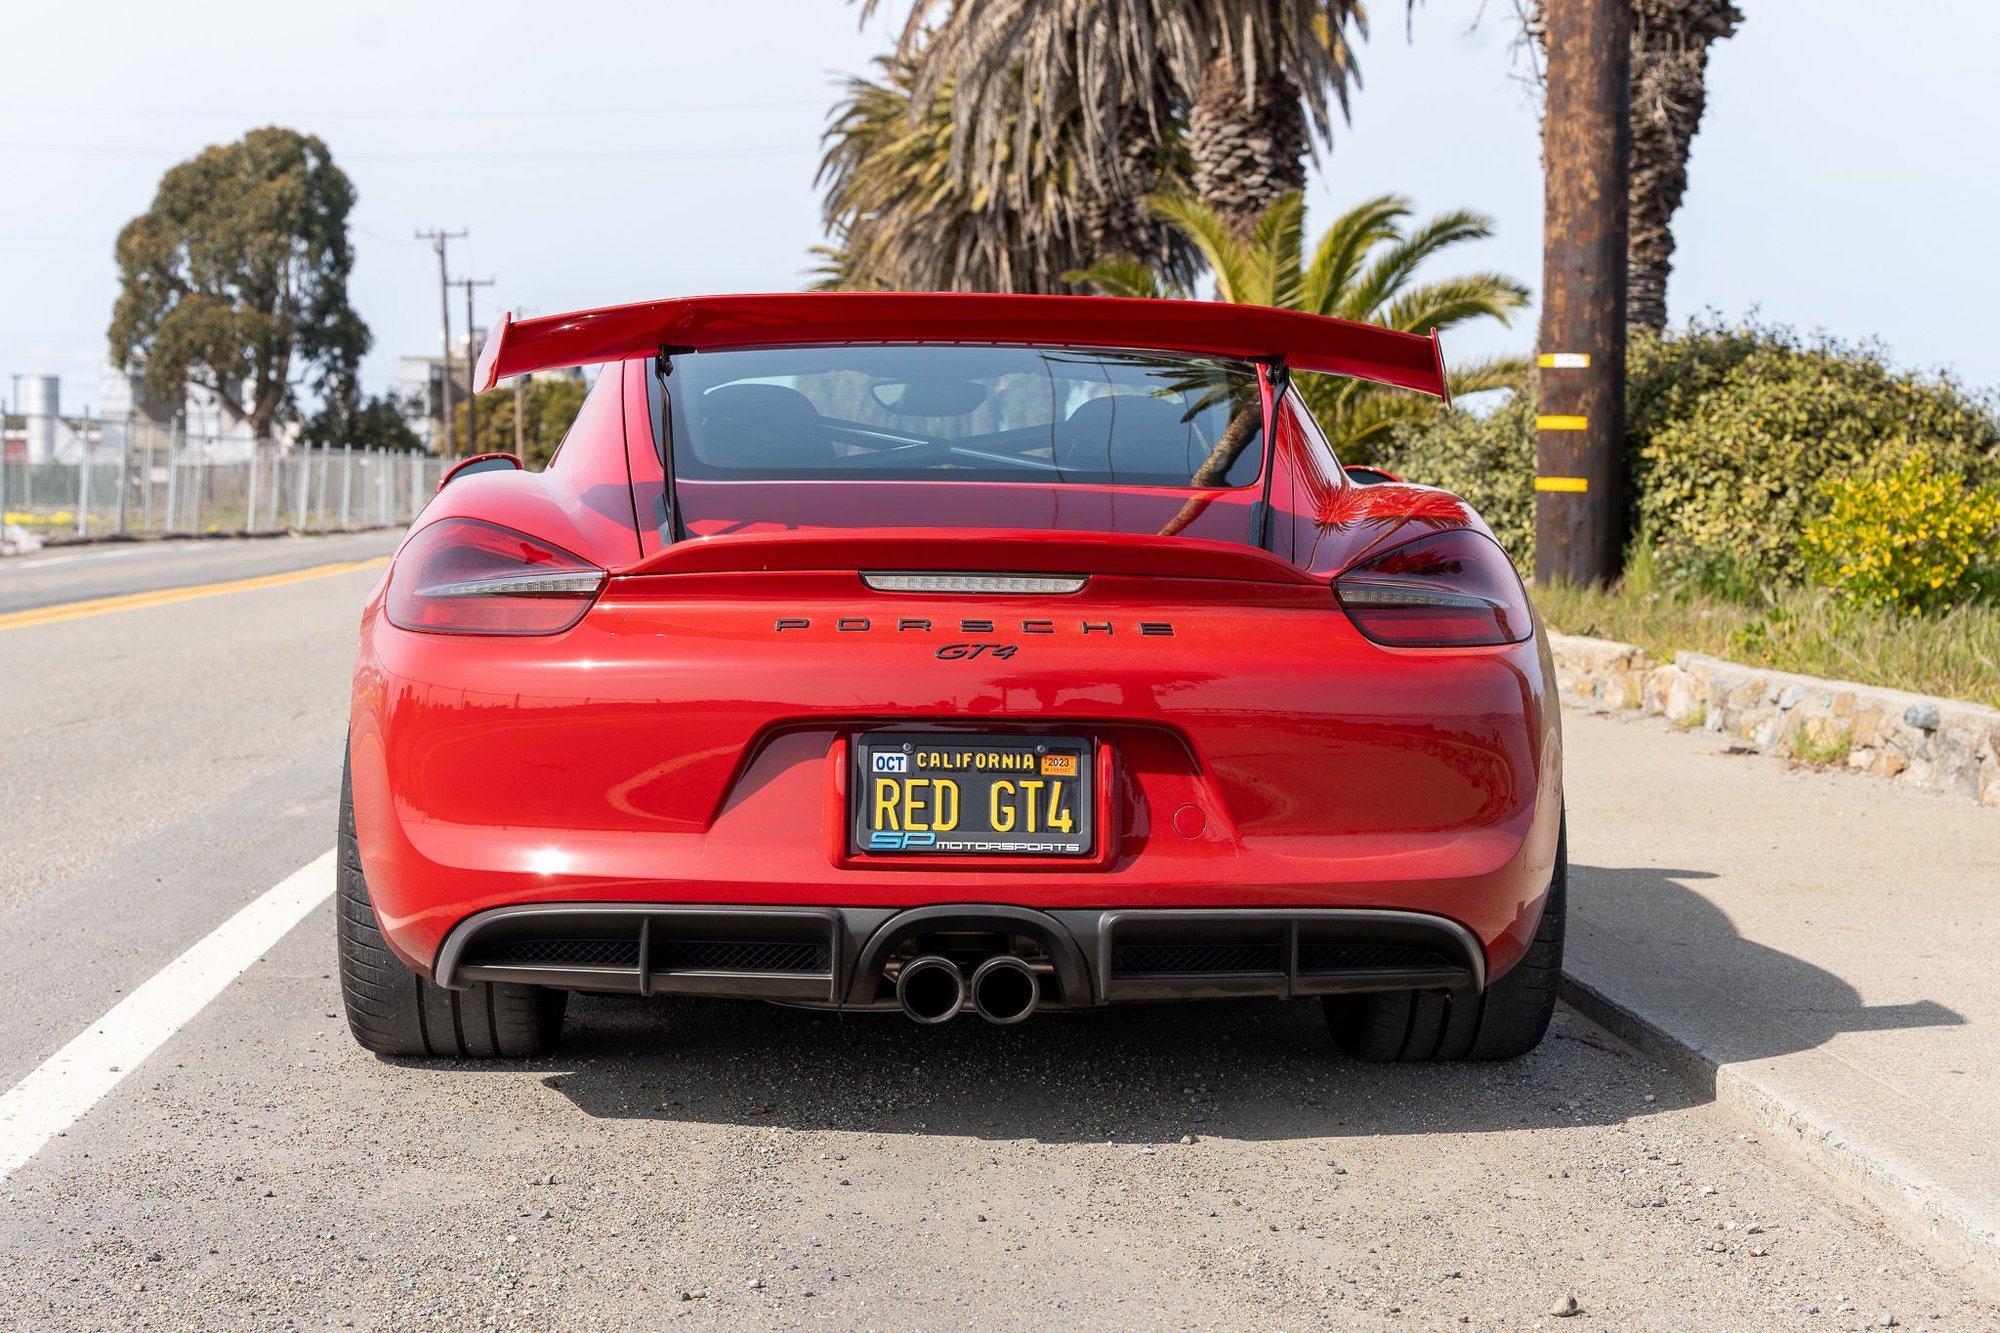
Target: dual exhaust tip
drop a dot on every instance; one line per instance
(1001, 990)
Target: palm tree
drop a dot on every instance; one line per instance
(1670, 41)
(1255, 80)
(1363, 267)
(902, 217)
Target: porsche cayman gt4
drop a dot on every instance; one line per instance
(950, 654)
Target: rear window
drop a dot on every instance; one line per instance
(960, 413)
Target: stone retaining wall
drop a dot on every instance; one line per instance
(1944, 745)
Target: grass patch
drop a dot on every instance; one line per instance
(1955, 654)
(1694, 721)
(1832, 748)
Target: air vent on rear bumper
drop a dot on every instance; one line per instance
(778, 955)
(1182, 955)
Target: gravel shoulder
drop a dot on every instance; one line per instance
(731, 1163)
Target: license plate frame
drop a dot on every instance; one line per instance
(974, 782)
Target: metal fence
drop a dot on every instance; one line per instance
(144, 479)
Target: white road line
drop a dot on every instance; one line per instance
(67, 1084)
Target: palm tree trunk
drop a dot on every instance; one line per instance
(1670, 41)
(1116, 221)
(1247, 151)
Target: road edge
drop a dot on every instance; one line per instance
(1932, 1219)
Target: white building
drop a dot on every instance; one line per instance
(205, 426)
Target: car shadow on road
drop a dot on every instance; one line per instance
(1651, 941)
(1250, 1070)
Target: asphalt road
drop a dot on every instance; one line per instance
(1212, 1166)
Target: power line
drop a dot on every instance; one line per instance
(551, 157)
(538, 113)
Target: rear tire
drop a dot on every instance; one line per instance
(1506, 1020)
(393, 1011)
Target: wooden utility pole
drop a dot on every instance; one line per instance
(1586, 150)
(471, 356)
(437, 236)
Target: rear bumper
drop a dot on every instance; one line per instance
(845, 957)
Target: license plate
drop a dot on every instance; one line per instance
(952, 794)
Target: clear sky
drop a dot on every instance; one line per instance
(618, 151)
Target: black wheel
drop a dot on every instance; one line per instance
(1506, 1020)
(393, 1011)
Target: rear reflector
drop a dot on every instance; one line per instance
(462, 576)
(1447, 590)
(990, 583)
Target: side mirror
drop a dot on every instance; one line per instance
(1363, 475)
(479, 463)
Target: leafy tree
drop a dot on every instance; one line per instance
(1253, 80)
(1363, 267)
(549, 404)
(903, 218)
(370, 423)
(236, 279)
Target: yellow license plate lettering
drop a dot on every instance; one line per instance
(914, 808)
(1030, 790)
(945, 798)
(1059, 817)
(1002, 807)
(886, 797)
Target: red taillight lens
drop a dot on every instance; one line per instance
(1448, 590)
(461, 576)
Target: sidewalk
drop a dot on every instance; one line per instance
(1821, 948)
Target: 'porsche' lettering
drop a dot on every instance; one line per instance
(925, 625)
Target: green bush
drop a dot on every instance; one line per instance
(1731, 433)
(1487, 458)
(1729, 475)
(1917, 539)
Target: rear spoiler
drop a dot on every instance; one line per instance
(789, 319)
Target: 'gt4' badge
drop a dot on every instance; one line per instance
(953, 652)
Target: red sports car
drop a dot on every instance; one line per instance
(945, 652)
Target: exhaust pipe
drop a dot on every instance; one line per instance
(931, 989)
(1005, 990)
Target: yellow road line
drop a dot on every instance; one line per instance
(133, 601)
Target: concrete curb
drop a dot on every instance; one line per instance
(1951, 1229)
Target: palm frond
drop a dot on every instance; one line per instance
(1275, 247)
(1495, 372)
(1386, 274)
(1343, 246)
(1449, 301)
(1229, 259)
(1123, 277)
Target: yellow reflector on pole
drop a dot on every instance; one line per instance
(1562, 423)
(1562, 483)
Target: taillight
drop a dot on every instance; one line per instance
(1447, 590)
(462, 576)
